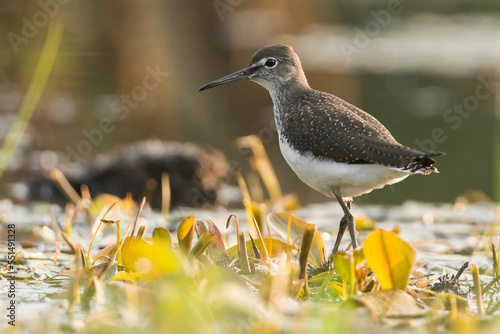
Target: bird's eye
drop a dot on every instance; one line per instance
(271, 62)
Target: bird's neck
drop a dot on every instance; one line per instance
(285, 96)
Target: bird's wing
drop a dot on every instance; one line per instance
(396, 155)
(344, 133)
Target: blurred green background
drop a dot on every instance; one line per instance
(428, 70)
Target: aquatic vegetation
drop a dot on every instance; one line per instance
(126, 273)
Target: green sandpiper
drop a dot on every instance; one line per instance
(333, 146)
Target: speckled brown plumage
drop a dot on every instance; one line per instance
(331, 128)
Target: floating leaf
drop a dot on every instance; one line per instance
(390, 258)
(185, 234)
(390, 303)
(19, 272)
(279, 221)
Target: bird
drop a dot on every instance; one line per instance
(333, 146)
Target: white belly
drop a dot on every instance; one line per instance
(351, 179)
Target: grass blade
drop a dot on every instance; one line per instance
(35, 90)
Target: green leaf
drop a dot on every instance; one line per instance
(202, 244)
(243, 255)
(305, 248)
(344, 265)
(390, 258)
(279, 221)
(161, 236)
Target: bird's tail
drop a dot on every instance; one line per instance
(423, 164)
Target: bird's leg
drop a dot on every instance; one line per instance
(346, 221)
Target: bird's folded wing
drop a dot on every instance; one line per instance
(342, 132)
(374, 150)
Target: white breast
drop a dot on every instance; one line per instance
(351, 179)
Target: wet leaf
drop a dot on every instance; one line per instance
(279, 221)
(390, 258)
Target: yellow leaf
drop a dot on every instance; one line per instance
(279, 221)
(150, 260)
(104, 199)
(126, 277)
(278, 246)
(364, 223)
(390, 258)
(337, 288)
(185, 233)
(161, 236)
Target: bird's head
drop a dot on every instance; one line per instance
(272, 67)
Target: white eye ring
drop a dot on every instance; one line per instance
(271, 62)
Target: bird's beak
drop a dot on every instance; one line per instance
(239, 75)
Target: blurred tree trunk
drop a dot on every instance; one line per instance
(137, 31)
